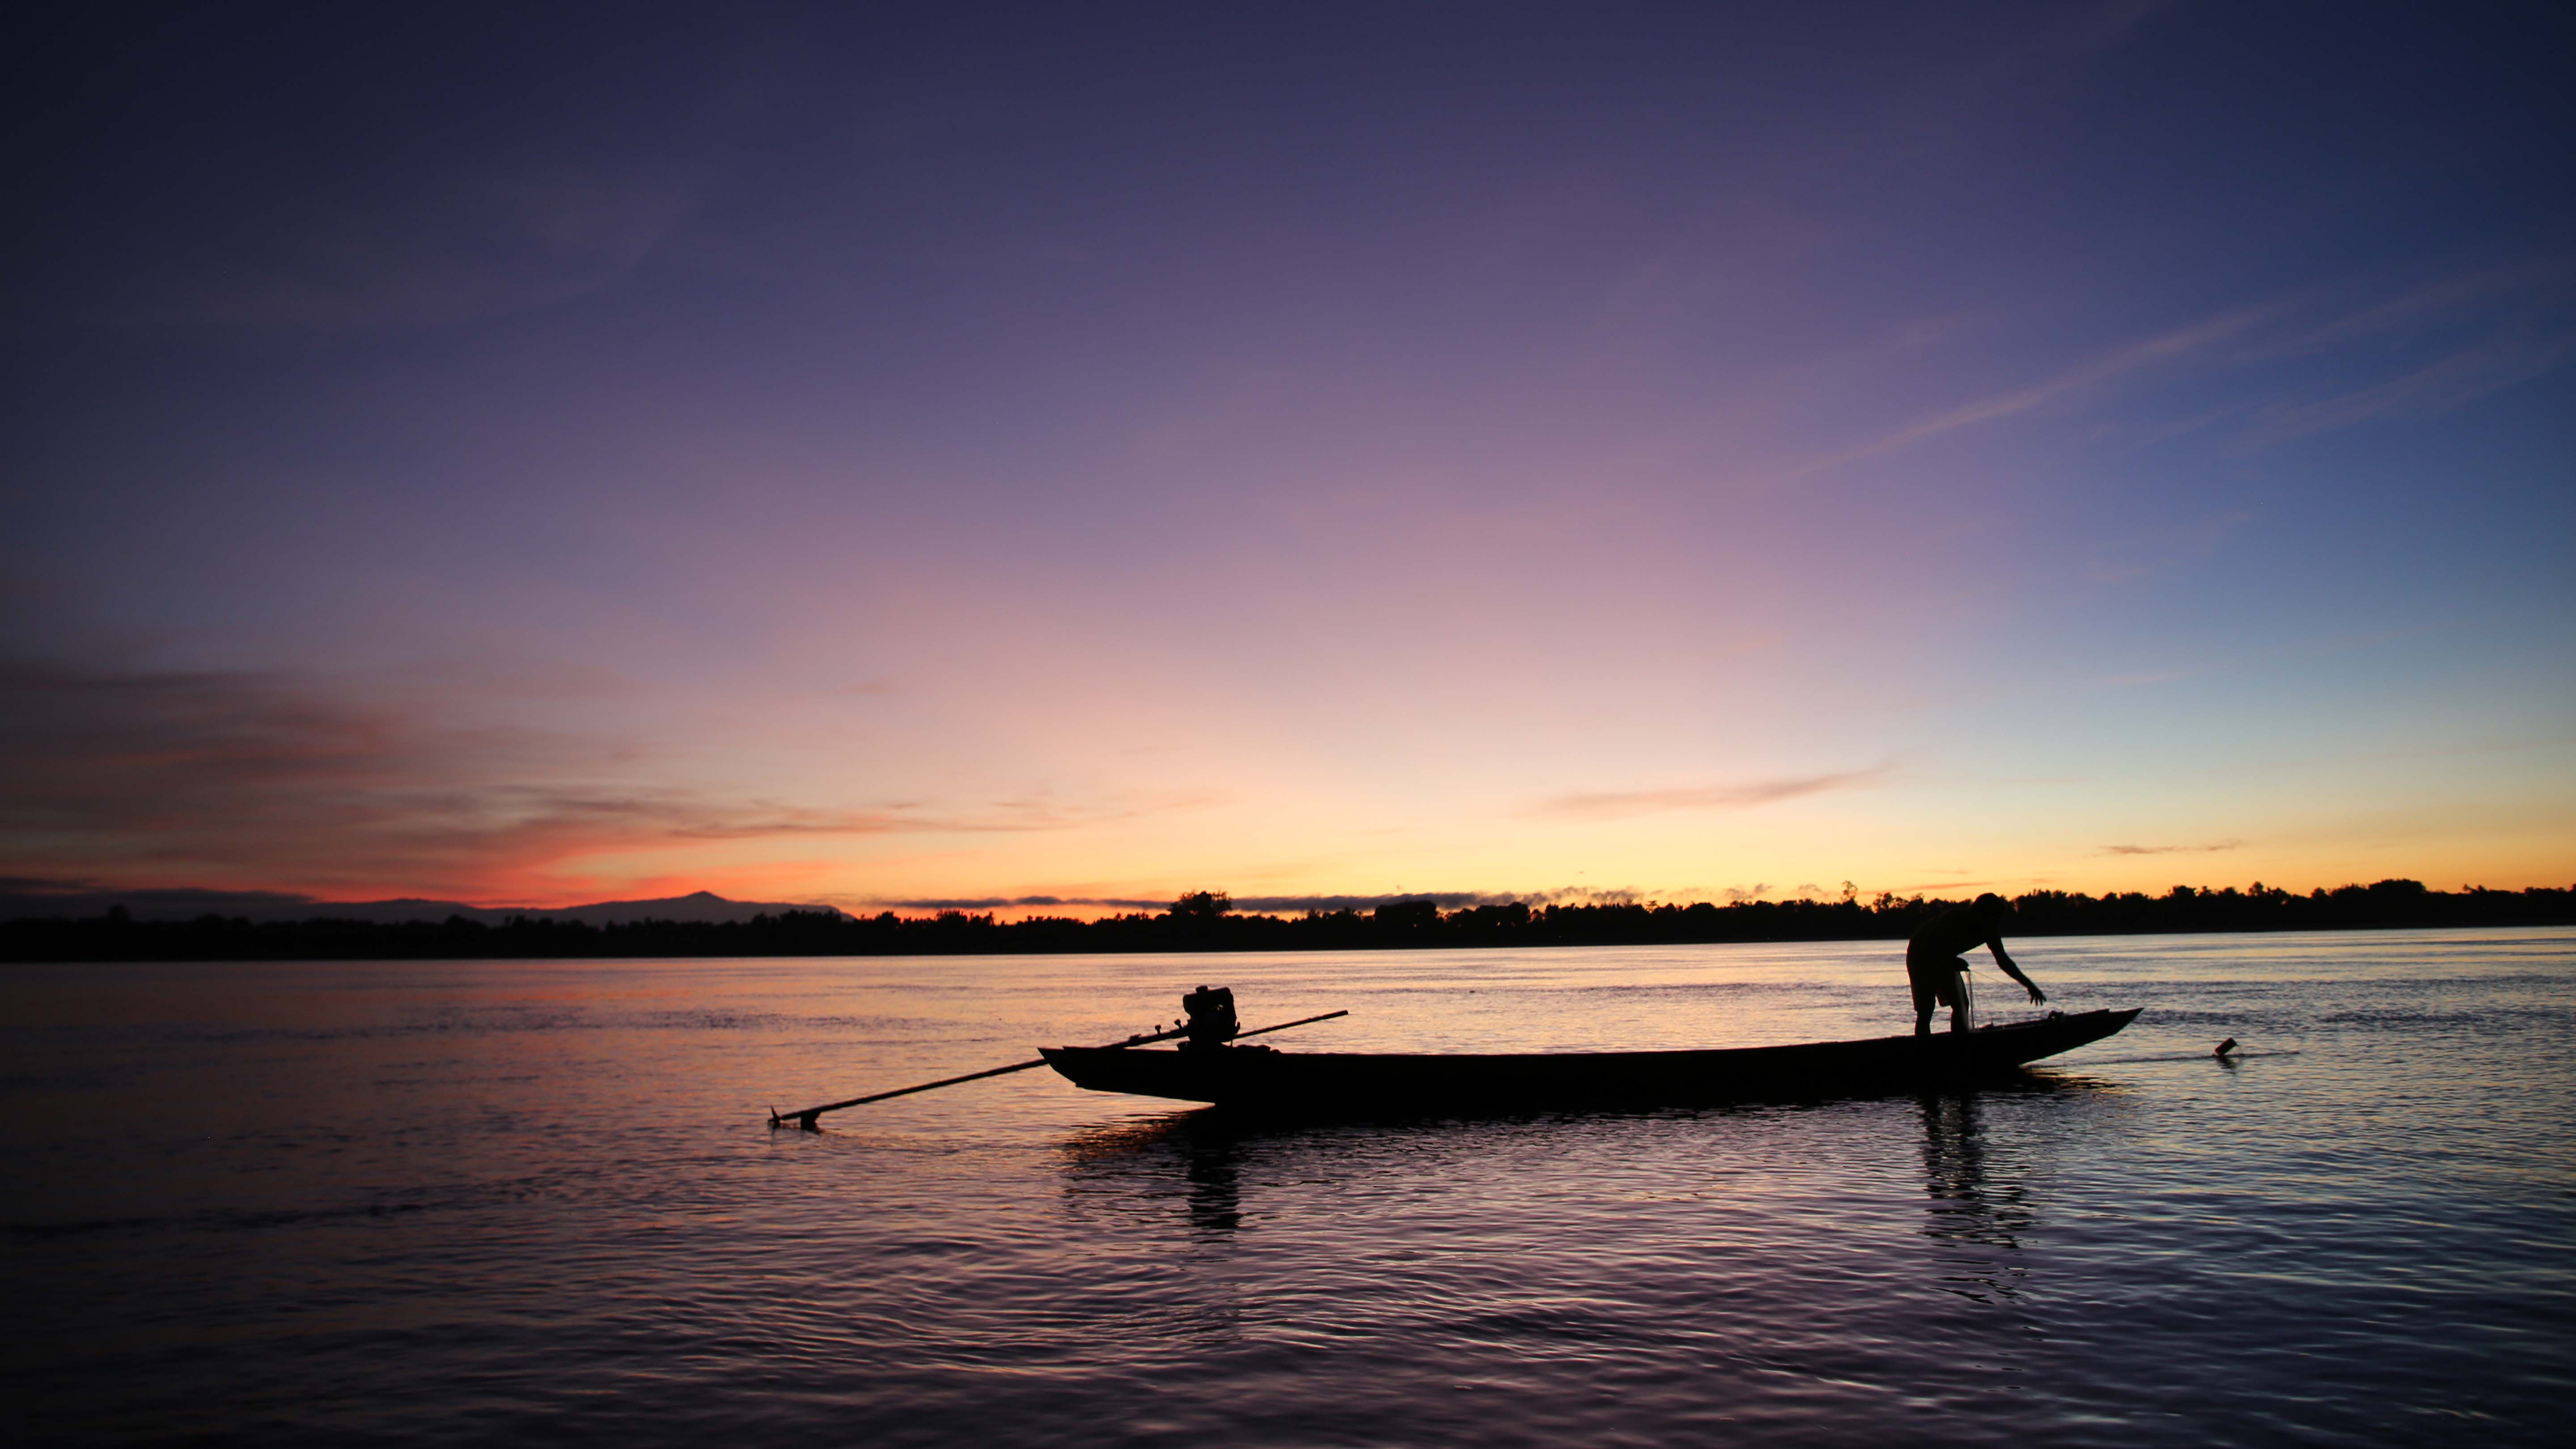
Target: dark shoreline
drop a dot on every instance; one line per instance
(1205, 922)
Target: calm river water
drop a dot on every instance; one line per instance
(450, 1202)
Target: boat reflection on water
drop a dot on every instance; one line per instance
(1194, 1157)
(1979, 1212)
(1223, 1170)
(1210, 1159)
(1207, 1154)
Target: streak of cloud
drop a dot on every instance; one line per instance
(1614, 804)
(2164, 348)
(2209, 849)
(2521, 289)
(200, 775)
(2457, 378)
(2524, 338)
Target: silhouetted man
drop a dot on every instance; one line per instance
(1934, 966)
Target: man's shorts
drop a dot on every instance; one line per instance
(1936, 979)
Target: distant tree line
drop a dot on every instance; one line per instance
(1207, 921)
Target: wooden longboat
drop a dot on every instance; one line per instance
(1302, 1083)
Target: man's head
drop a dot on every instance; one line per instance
(1990, 906)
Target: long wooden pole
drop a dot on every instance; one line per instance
(805, 1119)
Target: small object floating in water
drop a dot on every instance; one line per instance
(2224, 1048)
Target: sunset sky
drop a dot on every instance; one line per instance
(911, 456)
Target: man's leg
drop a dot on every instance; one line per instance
(1925, 998)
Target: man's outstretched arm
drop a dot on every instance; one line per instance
(1997, 946)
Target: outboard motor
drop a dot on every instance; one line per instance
(1212, 1022)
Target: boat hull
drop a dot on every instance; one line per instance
(1338, 1083)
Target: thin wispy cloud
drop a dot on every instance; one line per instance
(217, 775)
(1612, 804)
(2162, 349)
(2487, 366)
(2522, 288)
(2517, 312)
(2209, 849)
(2146, 552)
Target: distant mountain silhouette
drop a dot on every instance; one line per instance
(698, 907)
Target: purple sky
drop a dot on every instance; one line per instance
(1098, 452)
